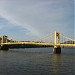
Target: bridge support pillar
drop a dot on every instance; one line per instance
(4, 47)
(57, 50)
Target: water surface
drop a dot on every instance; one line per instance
(37, 61)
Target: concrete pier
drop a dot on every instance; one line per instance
(4, 47)
(57, 50)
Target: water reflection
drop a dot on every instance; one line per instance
(56, 59)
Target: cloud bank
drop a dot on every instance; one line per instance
(39, 17)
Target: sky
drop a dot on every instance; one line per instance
(33, 19)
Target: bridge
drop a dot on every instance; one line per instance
(55, 40)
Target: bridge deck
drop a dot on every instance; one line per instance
(66, 45)
(35, 43)
(16, 43)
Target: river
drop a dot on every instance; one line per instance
(37, 61)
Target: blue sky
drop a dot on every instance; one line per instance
(32, 19)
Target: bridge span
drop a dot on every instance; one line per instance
(55, 40)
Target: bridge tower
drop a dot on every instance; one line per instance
(56, 49)
(3, 39)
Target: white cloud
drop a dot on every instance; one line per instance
(1, 27)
